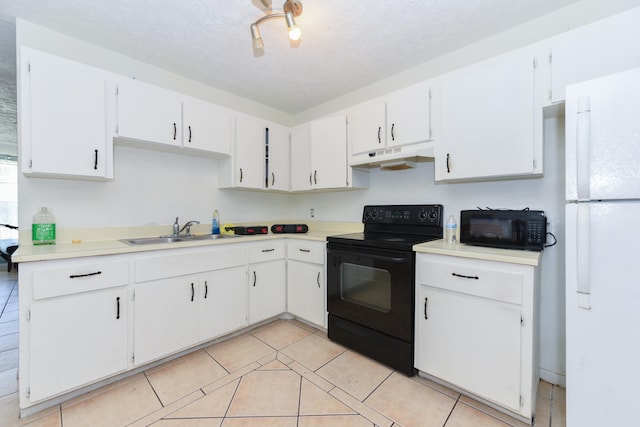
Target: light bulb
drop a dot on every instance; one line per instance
(295, 33)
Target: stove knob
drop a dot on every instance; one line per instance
(374, 214)
(422, 215)
(367, 213)
(433, 215)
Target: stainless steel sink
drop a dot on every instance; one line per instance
(173, 239)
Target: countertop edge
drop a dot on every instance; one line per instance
(440, 247)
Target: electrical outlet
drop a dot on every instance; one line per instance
(312, 212)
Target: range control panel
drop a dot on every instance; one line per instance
(403, 214)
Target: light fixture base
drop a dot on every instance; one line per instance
(293, 6)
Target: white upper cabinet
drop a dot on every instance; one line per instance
(595, 50)
(399, 118)
(246, 168)
(409, 115)
(206, 127)
(490, 127)
(63, 118)
(301, 157)
(329, 152)
(278, 157)
(155, 115)
(149, 113)
(367, 126)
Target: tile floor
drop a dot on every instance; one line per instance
(282, 374)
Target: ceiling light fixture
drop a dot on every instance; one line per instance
(290, 10)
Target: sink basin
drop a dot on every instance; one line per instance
(173, 239)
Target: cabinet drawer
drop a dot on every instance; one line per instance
(487, 279)
(266, 251)
(304, 250)
(182, 262)
(79, 277)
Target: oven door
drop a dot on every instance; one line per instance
(372, 287)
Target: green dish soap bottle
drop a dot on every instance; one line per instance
(43, 229)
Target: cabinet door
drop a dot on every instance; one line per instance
(471, 342)
(63, 117)
(487, 119)
(76, 340)
(409, 115)
(278, 158)
(166, 317)
(207, 126)
(249, 157)
(367, 127)
(267, 290)
(329, 152)
(306, 291)
(301, 158)
(149, 113)
(223, 302)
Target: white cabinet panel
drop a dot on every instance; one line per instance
(487, 120)
(267, 290)
(249, 157)
(409, 115)
(76, 340)
(207, 127)
(278, 158)
(472, 343)
(166, 317)
(301, 175)
(223, 302)
(329, 152)
(306, 291)
(367, 126)
(149, 113)
(63, 118)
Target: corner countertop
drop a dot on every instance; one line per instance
(440, 247)
(102, 241)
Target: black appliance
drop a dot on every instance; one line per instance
(371, 282)
(504, 228)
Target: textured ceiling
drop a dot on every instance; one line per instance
(345, 44)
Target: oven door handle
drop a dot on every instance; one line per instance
(376, 255)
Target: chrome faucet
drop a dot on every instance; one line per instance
(176, 228)
(187, 226)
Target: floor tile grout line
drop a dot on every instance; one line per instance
(452, 409)
(233, 396)
(153, 388)
(299, 397)
(378, 386)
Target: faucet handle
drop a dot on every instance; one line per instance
(176, 227)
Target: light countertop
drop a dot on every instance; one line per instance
(477, 252)
(96, 242)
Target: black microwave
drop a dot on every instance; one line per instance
(507, 229)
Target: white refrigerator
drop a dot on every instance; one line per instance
(602, 251)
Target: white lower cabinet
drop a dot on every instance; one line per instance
(306, 296)
(267, 280)
(185, 297)
(166, 317)
(476, 328)
(74, 325)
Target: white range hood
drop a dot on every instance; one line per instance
(395, 158)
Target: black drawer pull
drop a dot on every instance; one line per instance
(304, 250)
(75, 276)
(193, 293)
(465, 277)
(318, 279)
(117, 308)
(425, 308)
(175, 131)
(95, 161)
(189, 133)
(254, 278)
(206, 289)
(269, 250)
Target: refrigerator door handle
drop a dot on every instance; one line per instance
(583, 145)
(583, 249)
